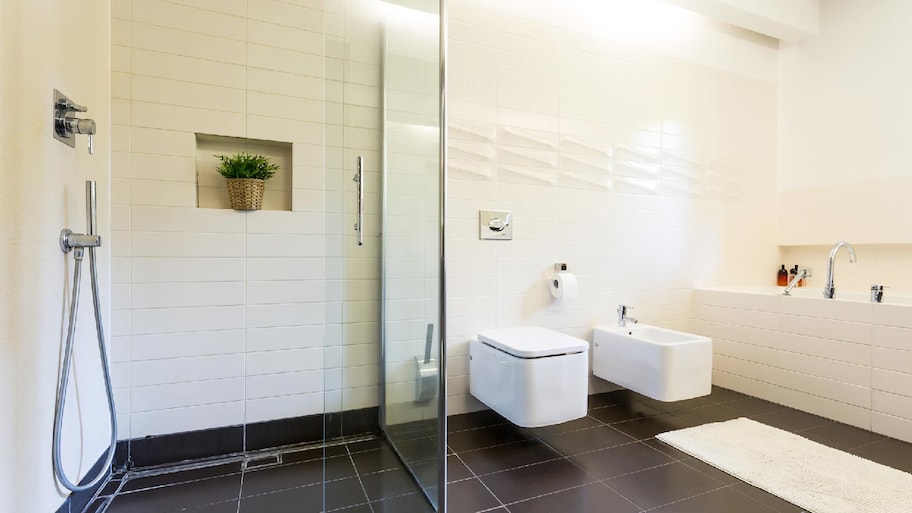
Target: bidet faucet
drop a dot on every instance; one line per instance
(623, 317)
(829, 289)
(802, 274)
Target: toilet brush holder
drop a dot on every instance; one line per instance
(426, 381)
(426, 374)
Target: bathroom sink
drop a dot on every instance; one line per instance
(660, 363)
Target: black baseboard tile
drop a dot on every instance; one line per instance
(276, 433)
(189, 445)
(361, 421)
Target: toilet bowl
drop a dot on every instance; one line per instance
(532, 376)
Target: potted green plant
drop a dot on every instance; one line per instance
(246, 176)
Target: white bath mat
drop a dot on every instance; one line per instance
(812, 476)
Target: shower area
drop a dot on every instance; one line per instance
(307, 336)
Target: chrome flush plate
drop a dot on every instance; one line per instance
(495, 224)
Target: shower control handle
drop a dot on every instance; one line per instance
(66, 125)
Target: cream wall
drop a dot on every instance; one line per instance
(635, 143)
(42, 192)
(843, 170)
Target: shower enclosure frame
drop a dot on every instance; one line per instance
(442, 318)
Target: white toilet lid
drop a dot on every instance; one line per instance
(532, 341)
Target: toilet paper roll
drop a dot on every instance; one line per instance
(564, 286)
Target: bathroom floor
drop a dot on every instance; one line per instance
(608, 461)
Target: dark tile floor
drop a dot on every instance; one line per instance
(608, 461)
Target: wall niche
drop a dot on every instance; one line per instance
(210, 185)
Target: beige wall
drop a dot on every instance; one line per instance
(42, 192)
(843, 164)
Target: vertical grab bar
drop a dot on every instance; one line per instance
(359, 179)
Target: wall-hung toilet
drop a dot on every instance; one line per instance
(532, 376)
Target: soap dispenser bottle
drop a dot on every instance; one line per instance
(782, 278)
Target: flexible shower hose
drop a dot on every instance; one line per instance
(65, 375)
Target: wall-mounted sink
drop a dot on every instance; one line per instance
(660, 363)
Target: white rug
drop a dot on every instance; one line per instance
(815, 477)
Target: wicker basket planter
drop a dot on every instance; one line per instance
(246, 193)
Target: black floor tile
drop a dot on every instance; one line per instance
(411, 503)
(182, 476)
(624, 412)
(469, 496)
(178, 496)
(708, 470)
(662, 485)
(841, 436)
(419, 449)
(534, 480)
(480, 438)
(506, 457)
(591, 498)
(707, 414)
(474, 420)
(718, 501)
(376, 460)
(343, 493)
(307, 499)
(586, 440)
(456, 469)
(792, 420)
(649, 427)
(273, 479)
(366, 445)
(389, 483)
(666, 449)
(752, 406)
(603, 399)
(767, 499)
(617, 461)
(889, 452)
(221, 507)
(573, 425)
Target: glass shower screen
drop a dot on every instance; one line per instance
(411, 239)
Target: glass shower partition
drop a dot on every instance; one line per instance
(412, 409)
(382, 155)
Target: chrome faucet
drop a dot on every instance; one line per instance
(829, 289)
(623, 318)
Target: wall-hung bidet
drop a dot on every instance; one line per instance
(78, 243)
(532, 376)
(663, 364)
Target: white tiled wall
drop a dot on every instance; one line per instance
(644, 163)
(642, 158)
(846, 360)
(223, 317)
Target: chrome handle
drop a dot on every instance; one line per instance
(91, 208)
(359, 179)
